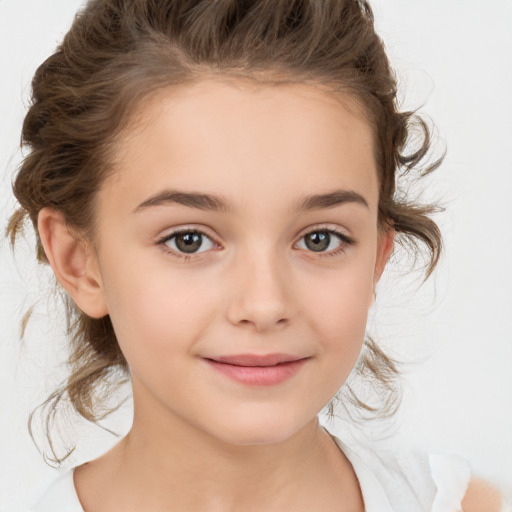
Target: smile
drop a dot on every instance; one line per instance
(256, 370)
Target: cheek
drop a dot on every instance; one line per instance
(338, 313)
(156, 312)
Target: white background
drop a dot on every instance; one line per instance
(452, 57)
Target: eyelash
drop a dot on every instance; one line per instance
(345, 241)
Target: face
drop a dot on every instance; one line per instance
(237, 252)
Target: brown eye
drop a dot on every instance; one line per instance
(189, 242)
(318, 241)
(326, 241)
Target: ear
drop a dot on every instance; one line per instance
(73, 262)
(385, 246)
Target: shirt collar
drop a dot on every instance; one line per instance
(374, 496)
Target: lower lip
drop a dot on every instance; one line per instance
(259, 375)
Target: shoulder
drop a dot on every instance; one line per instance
(416, 480)
(481, 497)
(60, 494)
(412, 480)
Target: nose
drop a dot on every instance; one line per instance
(259, 293)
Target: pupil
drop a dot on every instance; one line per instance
(189, 242)
(318, 241)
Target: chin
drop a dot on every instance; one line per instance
(260, 431)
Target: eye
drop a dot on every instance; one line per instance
(324, 240)
(188, 242)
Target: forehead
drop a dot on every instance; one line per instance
(246, 138)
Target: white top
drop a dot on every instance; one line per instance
(390, 482)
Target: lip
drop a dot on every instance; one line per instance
(256, 359)
(258, 370)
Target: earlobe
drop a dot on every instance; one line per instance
(72, 262)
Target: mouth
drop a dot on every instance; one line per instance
(258, 370)
(256, 360)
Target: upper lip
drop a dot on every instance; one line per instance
(255, 359)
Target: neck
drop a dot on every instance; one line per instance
(170, 465)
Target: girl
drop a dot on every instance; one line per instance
(214, 186)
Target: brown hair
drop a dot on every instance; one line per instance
(119, 52)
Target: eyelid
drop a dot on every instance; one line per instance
(326, 227)
(186, 228)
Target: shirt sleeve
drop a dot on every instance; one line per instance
(451, 474)
(506, 506)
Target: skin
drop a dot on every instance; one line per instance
(201, 441)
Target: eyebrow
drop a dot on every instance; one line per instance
(191, 199)
(330, 200)
(218, 203)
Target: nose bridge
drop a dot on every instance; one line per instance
(260, 296)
